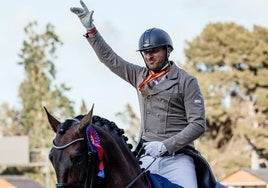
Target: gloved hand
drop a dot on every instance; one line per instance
(155, 148)
(84, 15)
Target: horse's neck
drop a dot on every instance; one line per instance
(122, 177)
(120, 165)
(124, 169)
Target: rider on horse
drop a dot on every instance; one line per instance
(171, 102)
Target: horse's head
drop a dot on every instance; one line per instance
(84, 145)
(70, 155)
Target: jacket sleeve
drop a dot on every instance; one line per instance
(195, 114)
(127, 71)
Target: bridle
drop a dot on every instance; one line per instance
(66, 145)
(90, 157)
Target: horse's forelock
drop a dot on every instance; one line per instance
(79, 117)
(66, 125)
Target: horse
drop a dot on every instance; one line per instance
(79, 165)
(92, 152)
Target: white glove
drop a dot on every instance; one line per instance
(155, 148)
(84, 15)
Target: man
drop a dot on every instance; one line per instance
(171, 103)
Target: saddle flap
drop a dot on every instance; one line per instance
(158, 181)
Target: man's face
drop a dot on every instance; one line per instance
(155, 58)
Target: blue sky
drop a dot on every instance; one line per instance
(121, 23)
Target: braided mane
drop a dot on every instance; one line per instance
(100, 122)
(111, 127)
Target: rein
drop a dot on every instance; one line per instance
(139, 175)
(142, 172)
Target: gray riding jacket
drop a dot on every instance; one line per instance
(172, 111)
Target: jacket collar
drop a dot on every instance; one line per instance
(171, 79)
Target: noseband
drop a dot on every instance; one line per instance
(68, 185)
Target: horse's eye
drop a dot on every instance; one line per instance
(77, 159)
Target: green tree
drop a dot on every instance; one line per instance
(231, 63)
(37, 89)
(9, 121)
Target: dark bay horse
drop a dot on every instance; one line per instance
(91, 152)
(81, 162)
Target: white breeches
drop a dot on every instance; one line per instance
(178, 169)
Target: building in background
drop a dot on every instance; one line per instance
(247, 178)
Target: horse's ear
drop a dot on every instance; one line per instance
(87, 120)
(52, 121)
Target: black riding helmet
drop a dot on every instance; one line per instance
(153, 38)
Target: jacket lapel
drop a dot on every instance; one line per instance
(171, 80)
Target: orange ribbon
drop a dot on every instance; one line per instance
(152, 76)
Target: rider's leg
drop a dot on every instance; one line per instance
(179, 169)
